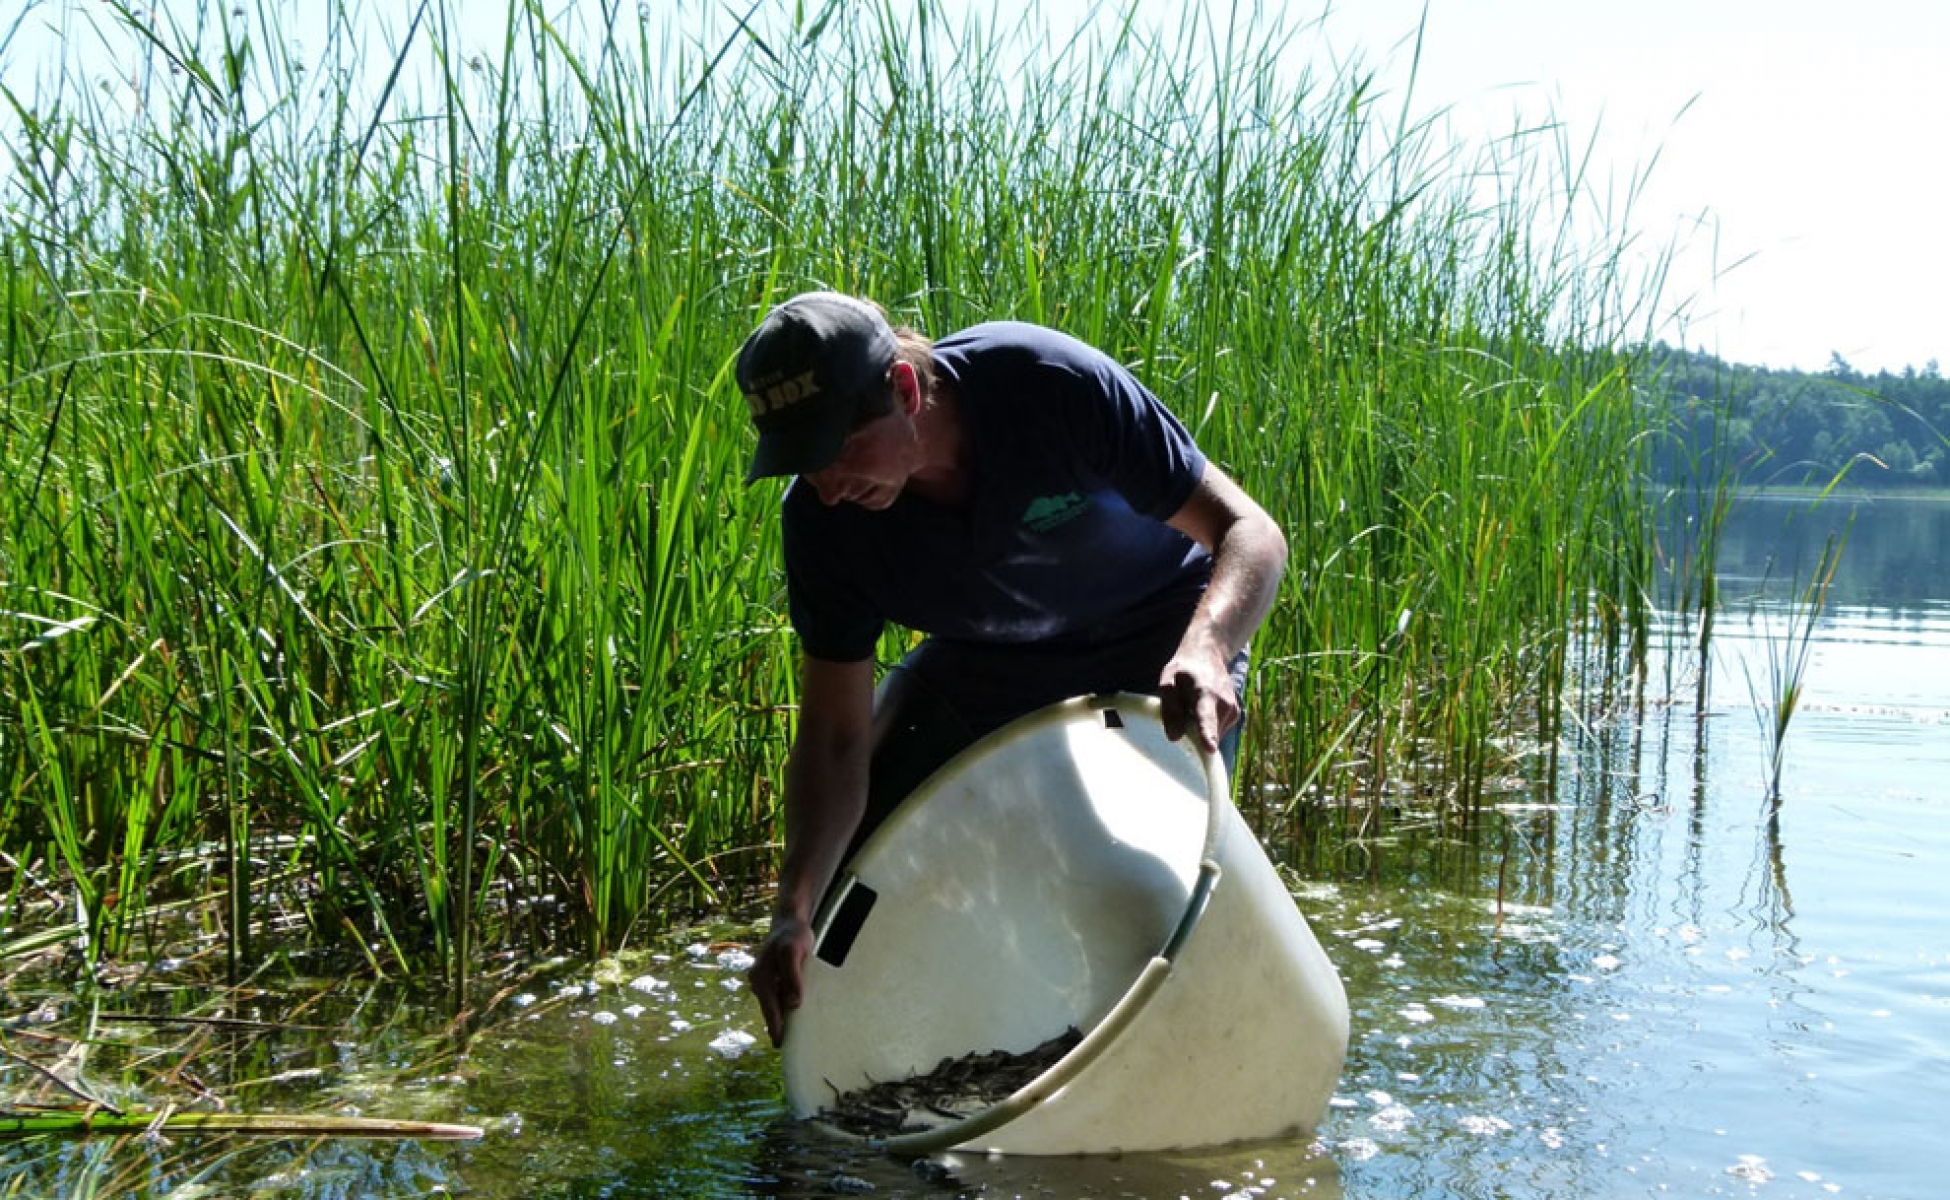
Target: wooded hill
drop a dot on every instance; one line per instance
(1788, 427)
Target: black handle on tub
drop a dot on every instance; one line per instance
(837, 941)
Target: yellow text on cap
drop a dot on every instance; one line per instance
(781, 395)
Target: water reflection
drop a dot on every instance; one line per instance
(1897, 554)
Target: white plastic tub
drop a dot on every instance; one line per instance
(1075, 869)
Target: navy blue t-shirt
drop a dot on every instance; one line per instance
(1061, 540)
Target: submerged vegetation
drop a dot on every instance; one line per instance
(375, 562)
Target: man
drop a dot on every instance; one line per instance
(1021, 499)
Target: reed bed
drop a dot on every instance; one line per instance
(377, 566)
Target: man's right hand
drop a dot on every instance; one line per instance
(825, 793)
(778, 976)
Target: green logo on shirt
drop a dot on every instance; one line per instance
(1047, 512)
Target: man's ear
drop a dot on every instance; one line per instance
(907, 386)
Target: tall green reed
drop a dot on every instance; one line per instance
(1782, 681)
(372, 440)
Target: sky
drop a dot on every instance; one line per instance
(1793, 154)
(1799, 151)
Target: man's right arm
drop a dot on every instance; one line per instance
(825, 797)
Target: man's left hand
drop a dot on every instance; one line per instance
(1198, 696)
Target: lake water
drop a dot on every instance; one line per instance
(1640, 986)
(1684, 997)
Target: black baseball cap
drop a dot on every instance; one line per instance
(815, 367)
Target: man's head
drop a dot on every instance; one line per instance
(813, 370)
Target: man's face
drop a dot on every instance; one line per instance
(873, 465)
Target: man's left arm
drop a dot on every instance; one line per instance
(1248, 557)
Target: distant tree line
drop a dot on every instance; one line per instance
(1774, 426)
